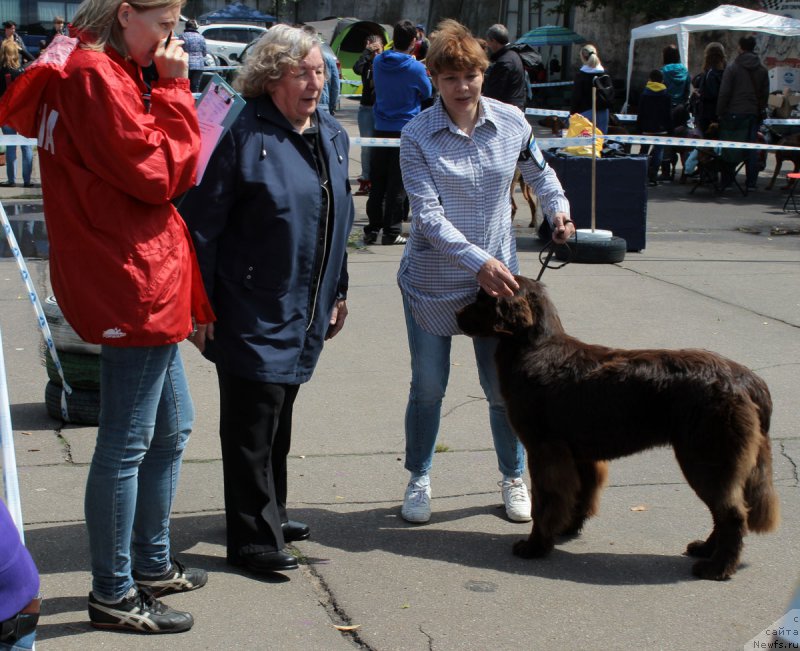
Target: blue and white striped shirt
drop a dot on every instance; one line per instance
(459, 190)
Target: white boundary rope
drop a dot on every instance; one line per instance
(10, 478)
(16, 140)
(549, 143)
(550, 84)
(628, 117)
(5, 224)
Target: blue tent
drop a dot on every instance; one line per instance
(236, 12)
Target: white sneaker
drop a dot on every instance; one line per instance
(516, 499)
(417, 500)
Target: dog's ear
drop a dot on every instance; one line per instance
(543, 313)
(513, 315)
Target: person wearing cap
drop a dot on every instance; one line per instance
(19, 588)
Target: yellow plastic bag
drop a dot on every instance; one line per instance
(581, 126)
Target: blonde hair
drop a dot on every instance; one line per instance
(98, 19)
(714, 56)
(589, 56)
(9, 54)
(453, 47)
(279, 49)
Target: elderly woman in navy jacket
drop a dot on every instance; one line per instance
(270, 221)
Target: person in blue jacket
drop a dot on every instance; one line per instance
(676, 76)
(679, 87)
(270, 221)
(195, 46)
(401, 85)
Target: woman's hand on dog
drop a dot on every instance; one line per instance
(563, 228)
(496, 280)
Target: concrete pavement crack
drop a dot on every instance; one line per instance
(429, 636)
(791, 461)
(336, 612)
(67, 447)
(462, 404)
(712, 297)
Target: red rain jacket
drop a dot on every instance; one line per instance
(122, 264)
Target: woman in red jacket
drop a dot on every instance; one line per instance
(112, 156)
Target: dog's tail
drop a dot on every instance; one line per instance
(764, 512)
(759, 492)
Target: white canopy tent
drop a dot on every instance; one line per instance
(727, 17)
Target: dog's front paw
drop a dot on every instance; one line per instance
(711, 571)
(700, 549)
(527, 549)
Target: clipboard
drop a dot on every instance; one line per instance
(217, 108)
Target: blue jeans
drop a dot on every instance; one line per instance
(146, 415)
(11, 160)
(25, 642)
(654, 159)
(366, 129)
(430, 370)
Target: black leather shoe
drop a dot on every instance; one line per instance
(293, 531)
(268, 561)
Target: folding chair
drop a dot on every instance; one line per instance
(793, 178)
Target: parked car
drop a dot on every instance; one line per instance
(325, 48)
(226, 41)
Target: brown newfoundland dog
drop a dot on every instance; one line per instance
(575, 406)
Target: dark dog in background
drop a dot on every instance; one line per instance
(529, 196)
(575, 406)
(786, 155)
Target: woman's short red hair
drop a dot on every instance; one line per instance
(453, 47)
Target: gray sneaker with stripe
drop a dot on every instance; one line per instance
(140, 612)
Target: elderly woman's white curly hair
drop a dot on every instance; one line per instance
(280, 48)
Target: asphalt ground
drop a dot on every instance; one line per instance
(716, 273)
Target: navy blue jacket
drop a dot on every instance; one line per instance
(654, 114)
(255, 223)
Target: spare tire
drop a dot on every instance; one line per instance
(593, 251)
(83, 405)
(64, 336)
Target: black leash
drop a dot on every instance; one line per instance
(551, 249)
(546, 262)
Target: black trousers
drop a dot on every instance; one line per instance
(386, 205)
(255, 429)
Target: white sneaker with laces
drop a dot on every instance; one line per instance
(417, 500)
(516, 498)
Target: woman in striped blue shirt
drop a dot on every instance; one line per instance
(458, 160)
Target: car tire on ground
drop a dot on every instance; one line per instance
(80, 371)
(83, 405)
(593, 252)
(64, 336)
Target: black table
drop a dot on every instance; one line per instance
(621, 204)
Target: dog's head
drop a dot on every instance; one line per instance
(528, 313)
